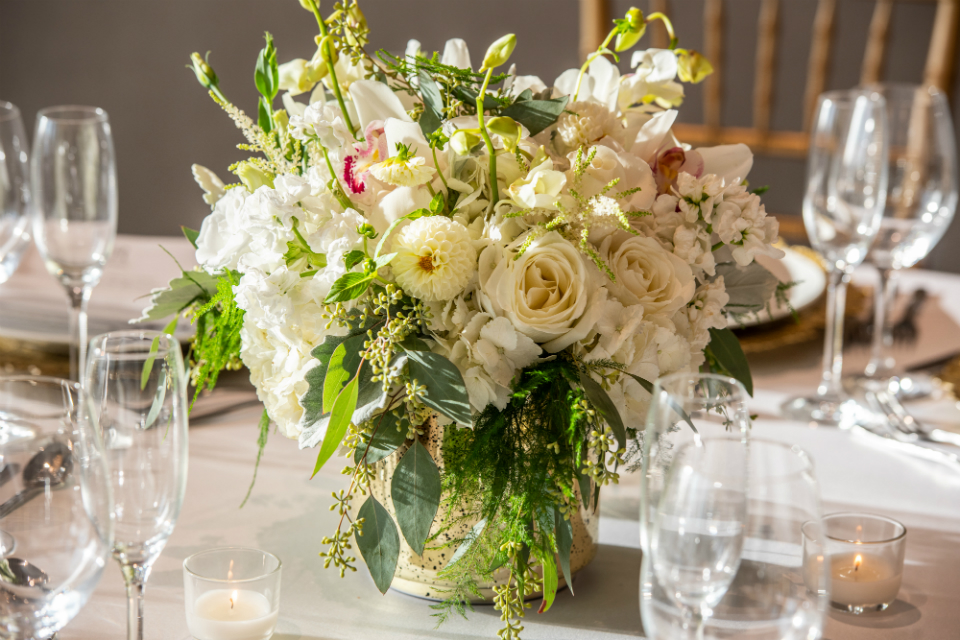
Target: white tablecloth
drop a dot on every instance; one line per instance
(288, 515)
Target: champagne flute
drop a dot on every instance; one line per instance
(14, 190)
(74, 176)
(921, 202)
(842, 209)
(55, 503)
(138, 387)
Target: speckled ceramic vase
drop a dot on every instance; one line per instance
(418, 575)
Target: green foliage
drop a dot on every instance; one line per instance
(217, 343)
(535, 115)
(445, 390)
(415, 489)
(389, 433)
(264, 428)
(726, 356)
(602, 403)
(190, 235)
(340, 416)
(379, 543)
(563, 529)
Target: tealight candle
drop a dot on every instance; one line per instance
(864, 554)
(232, 594)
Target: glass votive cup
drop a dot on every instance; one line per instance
(232, 594)
(863, 559)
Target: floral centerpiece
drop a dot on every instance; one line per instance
(429, 249)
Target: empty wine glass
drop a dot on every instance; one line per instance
(737, 512)
(14, 190)
(55, 502)
(842, 208)
(921, 202)
(137, 385)
(74, 178)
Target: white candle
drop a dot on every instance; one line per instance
(860, 579)
(225, 614)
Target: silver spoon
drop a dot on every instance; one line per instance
(49, 467)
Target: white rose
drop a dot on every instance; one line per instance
(547, 293)
(647, 274)
(223, 236)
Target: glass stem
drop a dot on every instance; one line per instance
(830, 385)
(79, 296)
(134, 576)
(884, 299)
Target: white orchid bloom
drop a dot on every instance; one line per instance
(601, 83)
(456, 54)
(730, 162)
(652, 134)
(297, 76)
(515, 85)
(540, 188)
(376, 101)
(211, 184)
(653, 81)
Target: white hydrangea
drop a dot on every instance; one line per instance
(224, 237)
(323, 122)
(435, 258)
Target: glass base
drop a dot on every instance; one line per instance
(914, 386)
(857, 609)
(8, 544)
(822, 411)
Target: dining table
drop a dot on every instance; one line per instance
(288, 513)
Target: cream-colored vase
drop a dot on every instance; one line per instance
(418, 575)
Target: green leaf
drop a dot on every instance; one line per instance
(586, 491)
(349, 286)
(336, 377)
(431, 119)
(190, 287)
(676, 406)
(380, 544)
(386, 439)
(416, 495)
(267, 73)
(343, 408)
(158, 398)
(414, 343)
(264, 428)
(413, 215)
(749, 288)
(536, 115)
(353, 258)
(471, 538)
(381, 261)
(264, 121)
(154, 350)
(550, 582)
(729, 355)
(646, 384)
(564, 535)
(190, 235)
(602, 403)
(446, 391)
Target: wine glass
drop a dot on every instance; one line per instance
(842, 208)
(14, 190)
(921, 202)
(137, 385)
(55, 502)
(750, 507)
(74, 177)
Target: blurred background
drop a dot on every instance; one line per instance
(129, 57)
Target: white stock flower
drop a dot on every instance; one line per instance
(742, 222)
(584, 123)
(705, 312)
(224, 237)
(698, 196)
(323, 122)
(647, 274)
(547, 293)
(403, 172)
(502, 350)
(435, 258)
(540, 188)
(692, 245)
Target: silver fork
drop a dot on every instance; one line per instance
(906, 428)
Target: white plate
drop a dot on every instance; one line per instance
(34, 307)
(793, 267)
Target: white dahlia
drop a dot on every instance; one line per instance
(584, 123)
(435, 258)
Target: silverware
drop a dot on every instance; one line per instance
(22, 573)
(49, 467)
(910, 448)
(906, 428)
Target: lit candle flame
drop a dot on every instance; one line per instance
(856, 563)
(233, 596)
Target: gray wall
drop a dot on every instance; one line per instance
(128, 56)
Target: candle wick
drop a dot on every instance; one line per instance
(231, 603)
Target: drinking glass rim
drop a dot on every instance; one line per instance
(231, 580)
(799, 451)
(845, 96)
(729, 380)
(94, 114)
(96, 350)
(52, 380)
(8, 111)
(862, 514)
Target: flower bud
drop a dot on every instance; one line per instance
(508, 129)
(308, 5)
(463, 141)
(367, 231)
(295, 77)
(630, 29)
(253, 177)
(281, 120)
(499, 52)
(692, 66)
(327, 49)
(205, 73)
